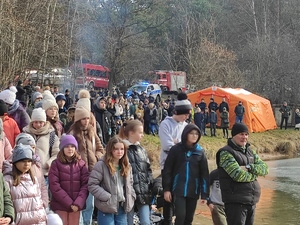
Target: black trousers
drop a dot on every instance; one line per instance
(284, 119)
(239, 214)
(184, 210)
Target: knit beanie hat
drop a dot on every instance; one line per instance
(60, 97)
(182, 105)
(81, 113)
(238, 128)
(84, 99)
(25, 139)
(67, 139)
(49, 103)
(36, 95)
(8, 96)
(47, 95)
(13, 89)
(3, 108)
(21, 152)
(38, 114)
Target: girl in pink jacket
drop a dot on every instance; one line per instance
(24, 188)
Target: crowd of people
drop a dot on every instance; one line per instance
(74, 156)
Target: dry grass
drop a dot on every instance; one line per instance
(269, 144)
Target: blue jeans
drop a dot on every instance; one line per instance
(86, 215)
(144, 215)
(239, 119)
(112, 219)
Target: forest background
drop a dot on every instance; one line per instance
(253, 44)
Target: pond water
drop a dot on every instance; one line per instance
(280, 199)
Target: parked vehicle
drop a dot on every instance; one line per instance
(51, 77)
(170, 81)
(153, 89)
(91, 75)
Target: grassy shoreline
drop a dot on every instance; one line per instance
(273, 144)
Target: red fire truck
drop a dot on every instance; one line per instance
(169, 80)
(91, 75)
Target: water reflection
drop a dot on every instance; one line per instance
(280, 199)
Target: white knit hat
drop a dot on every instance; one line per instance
(13, 89)
(49, 103)
(84, 99)
(8, 96)
(48, 96)
(38, 114)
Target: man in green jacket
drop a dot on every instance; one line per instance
(239, 166)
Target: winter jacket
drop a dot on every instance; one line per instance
(37, 171)
(238, 185)
(102, 185)
(199, 119)
(68, 185)
(5, 150)
(239, 110)
(142, 173)
(222, 106)
(186, 169)
(169, 130)
(224, 116)
(18, 113)
(297, 117)
(11, 129)
(106, 121)
(213, 117)
(89, 146)
(7, 207)
(285, 111)
(42, 139)
(27, 201)
(202, 106)
(213, 105)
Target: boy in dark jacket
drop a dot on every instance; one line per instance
(213, 119)
(185, 175)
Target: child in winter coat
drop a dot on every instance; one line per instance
(213, 119)
(68, 179)
(132, 132)
(36, 167)
(111, 183)
(89, 148)
(185, 175)
(24, 188)
(47, 142)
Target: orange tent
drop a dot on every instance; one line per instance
(258, 116)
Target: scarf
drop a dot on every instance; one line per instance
(13, 108)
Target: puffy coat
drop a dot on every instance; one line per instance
(103, 186)
(11, 129)
(42, 139)
(37, 170)
(142, 173)
(27, 201)
(224, 116)
(68, 185)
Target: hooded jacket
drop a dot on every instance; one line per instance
(103, 186)
(18, 113)
(11, 129)
(186, 169)
(7, 208)
(106, 121)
